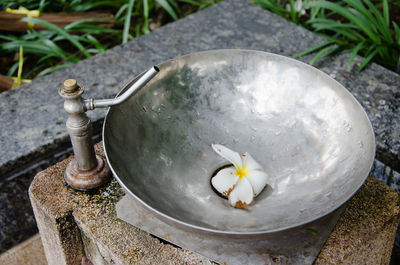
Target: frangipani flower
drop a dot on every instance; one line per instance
(241, 182)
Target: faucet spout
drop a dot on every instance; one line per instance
(130, 89)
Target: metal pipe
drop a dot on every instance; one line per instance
(132, 88)
(88, 170)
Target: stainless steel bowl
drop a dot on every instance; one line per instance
(306, 130)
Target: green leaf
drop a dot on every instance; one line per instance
(55, 68)
(386, 13)
(312, 231)
(324, 52)
(354, 52)
(397, 32)
(146, 9)
(368, 59)
(168, 8)
(192, 2)
(366, 28)
(382, 26)
(127, 22)
(42, 4)
(313, 49)
(82, 21)
(146, 29)
(9, 38)
(92, 4)
(292, 11)
(121, 10)
(12, 69)
(91, 39)
(58, 30)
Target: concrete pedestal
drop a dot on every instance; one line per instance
(75, 224)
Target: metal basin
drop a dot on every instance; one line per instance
(306, 130)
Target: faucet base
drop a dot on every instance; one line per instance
(84, 180)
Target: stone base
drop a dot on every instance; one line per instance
(365, 232)
(28, 252)
(74, 224)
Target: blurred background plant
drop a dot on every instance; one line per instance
(66, 31)
(369, 28)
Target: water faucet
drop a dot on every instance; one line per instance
(87, 170)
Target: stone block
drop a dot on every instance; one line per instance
(73, 224)
(366, 230)
(29, 252)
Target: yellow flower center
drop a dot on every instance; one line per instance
(241, 172)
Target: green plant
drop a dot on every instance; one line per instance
(54, 48)
(350, 26)
(293, 10)
(358, 27)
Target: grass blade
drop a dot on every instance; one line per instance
(354, 52)
(397, 32)
(292, 11)
(12, 69)
(382, 26)
(324, 52)
(55, 68)
(127, 22)
(313, 49)
(168, 8)
(121, 10)
(58, 30)
(81, 7)
(345, 13)
(368, 58)
(146, 29)
(386, 13)
(84, 20)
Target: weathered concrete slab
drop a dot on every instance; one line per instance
(29, 252)
(365, 232)
(363, 235)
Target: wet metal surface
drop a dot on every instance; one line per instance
(303, 127)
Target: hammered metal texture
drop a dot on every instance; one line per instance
(306, 130)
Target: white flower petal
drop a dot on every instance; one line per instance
(225, 180)
(228, 154)
(250, 163)
(242, 194)
(258, 179)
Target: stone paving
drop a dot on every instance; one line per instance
(33, 120)
(29, 252)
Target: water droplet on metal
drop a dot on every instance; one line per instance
(277, 133)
